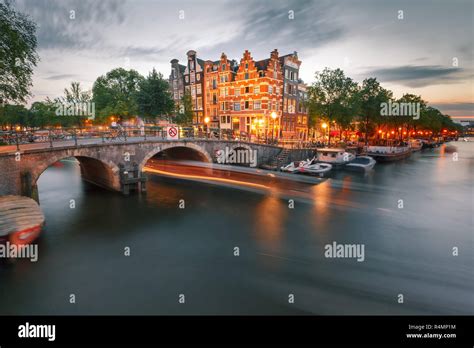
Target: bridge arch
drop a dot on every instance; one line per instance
(196, 149)
(104, 173)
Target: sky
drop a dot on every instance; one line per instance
(424, 47)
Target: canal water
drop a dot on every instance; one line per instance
(409, 216)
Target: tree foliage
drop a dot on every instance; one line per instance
(153, 97)
(333, 98)
(17, 54)
(371, 96)
(114, 93)
(184, 112)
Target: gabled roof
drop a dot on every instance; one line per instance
(200, 62)
(262, 64)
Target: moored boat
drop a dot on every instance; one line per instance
(336, 157)
(361, 163)
(21, 219)
(388, 150)
(293, 167)
(315, 167)
(415, 145)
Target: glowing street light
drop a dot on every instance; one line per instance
(206, 121)
(274, 116)
(325, 125)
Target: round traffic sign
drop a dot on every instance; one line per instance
(172, 131)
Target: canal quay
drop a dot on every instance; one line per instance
(243, 241)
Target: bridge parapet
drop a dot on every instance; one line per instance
(103, 163)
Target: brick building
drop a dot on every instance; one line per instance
(263, 99)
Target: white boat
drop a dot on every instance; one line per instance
(364, 163)
(415, 145)
(315, 167)
(293, 167)
(336, 157)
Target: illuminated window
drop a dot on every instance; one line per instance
(256, 89)
(257, 105)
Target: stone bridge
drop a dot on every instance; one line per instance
(115, 166)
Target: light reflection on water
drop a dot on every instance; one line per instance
(191, 250)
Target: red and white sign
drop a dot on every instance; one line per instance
(172, 133)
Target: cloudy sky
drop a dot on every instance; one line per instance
(429, 51)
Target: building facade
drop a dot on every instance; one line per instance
(176, 81)
(261, 99)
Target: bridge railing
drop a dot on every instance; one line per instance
(55, 137)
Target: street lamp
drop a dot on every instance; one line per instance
(325, 125)
(274, 116)
(206, 121)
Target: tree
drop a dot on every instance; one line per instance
(153, 97)
(12, 115)
(331, 96)
(371, 96)
(17, 54)
(115, 93)
(76, 94)
(185, 114)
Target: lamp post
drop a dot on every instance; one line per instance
(274, 116)
(206, 121)
(325, 125)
